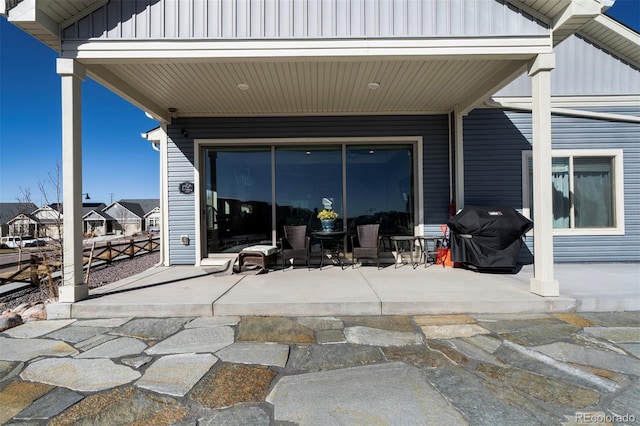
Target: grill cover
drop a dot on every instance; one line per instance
(488, 237)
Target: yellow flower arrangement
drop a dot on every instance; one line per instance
(327, 214)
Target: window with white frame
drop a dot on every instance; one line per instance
(587, 187)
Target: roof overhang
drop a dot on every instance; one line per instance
(200, 78)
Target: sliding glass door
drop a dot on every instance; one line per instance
(237, 198)
(380, 187)
(367, 183)
(304, 176)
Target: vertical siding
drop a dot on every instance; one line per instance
(182, 216)
(257, 19)
(494, 141)
(605, 75)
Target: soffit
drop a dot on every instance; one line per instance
(310, 87)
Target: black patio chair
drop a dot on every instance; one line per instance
(295, 244)
(368, 244)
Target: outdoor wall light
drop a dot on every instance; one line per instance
(373, 85)
(184, 132)
(243, 86)
(86, 195)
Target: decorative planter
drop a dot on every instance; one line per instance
(327, 224)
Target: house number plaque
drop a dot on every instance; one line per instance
(186, 188)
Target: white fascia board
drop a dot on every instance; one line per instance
(576, 101)
(126, 91)
(577, 9)
(132, 51)
(27, 11)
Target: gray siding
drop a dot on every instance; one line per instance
(433, 129)
(273, 19)
(583, 69)
(494, 141)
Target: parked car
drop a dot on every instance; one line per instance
(13, 241)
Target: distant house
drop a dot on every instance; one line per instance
(96, 222)
(9, 212)
(134, 215)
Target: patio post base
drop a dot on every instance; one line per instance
(73, 293)
(546, 288)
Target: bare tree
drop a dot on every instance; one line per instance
(53, 228)
(22, 227)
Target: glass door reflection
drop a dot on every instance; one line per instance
(380, 188)
(304, 176)
(237, 198)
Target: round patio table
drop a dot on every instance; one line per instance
(332, 244)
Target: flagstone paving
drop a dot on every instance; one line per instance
(484, 369)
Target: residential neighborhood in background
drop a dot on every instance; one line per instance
(124, 217)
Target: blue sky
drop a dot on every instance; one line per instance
(117, 162)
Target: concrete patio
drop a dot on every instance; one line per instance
(184, 291)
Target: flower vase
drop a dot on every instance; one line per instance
(327, 224)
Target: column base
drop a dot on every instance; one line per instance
(546, 288)
(73, 293)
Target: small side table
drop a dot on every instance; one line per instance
(427, 251)
(261, 256)
(402, 244)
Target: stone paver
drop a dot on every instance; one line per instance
(151, 328)
(452, 331)
(27, 349)
(615, 334)
(326, 357)
(392, 393)
(522, 369)
(176, 374)
(17, 396)
(255, 353)
(233, 384)
(115, 348)
(51, 404)
(33, 329)
(377, 337)
(194, 340)
(84, 375)
(123, 406)
(241, 414)
(595, 357)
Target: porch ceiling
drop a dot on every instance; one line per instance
(303, 87)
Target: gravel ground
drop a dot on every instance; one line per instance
(99, 276)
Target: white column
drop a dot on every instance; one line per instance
(72, 75)
(459, 169)
(542, 282)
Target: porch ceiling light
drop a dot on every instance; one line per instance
(173, 111)
(243, 86)
(373, 85)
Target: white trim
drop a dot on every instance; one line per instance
(574, 101)
(100, 51)
(618, 185)
(569, 112)
(198, 144)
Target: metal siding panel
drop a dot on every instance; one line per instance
(494, 140)
(607, 74)
(257, 19)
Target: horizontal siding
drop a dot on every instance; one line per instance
(605, 75)
(182, 220)
(494, 139)
(273, 19)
